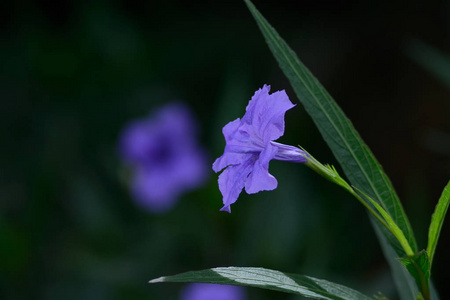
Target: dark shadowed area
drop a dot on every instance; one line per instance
(74, 73)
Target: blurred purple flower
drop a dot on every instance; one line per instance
(165, 156)
(209, 291)
(250, 146)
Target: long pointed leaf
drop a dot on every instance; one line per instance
(406, 285)
(437, 220)
(269, 279)
(419, 268)
(395, 230)
(355, 158)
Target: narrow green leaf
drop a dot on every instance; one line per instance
(269, 279)
(419, 267)
(437, 220)
(391, 226)
(355, 158)
(406, 286)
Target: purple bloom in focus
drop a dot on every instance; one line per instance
(165, 156)
(250, 147)
(209, 291)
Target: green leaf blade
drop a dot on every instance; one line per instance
(269, 279)
(437, 220)
(419, 267)
(392, 226)
(406, 286)
(354, 156)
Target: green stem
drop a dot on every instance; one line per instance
(370, 209)
(392, 226)
(330, 173)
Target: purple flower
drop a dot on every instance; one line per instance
(250, 146)
(165, 156)
(209, 291)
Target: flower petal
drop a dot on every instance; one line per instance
(163, 151)
(254, 102)
(232, 180)
(208, 291)
(266, 112)
(272, 112)
(179, 120)
(190, 169)
(228, 158)
(154, 192)
(135, 140)
(240, 140)
(260, 179)
(250, 146)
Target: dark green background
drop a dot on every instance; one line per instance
(73, 73)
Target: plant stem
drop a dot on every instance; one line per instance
(330, 173)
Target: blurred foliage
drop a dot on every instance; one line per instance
(74, 72)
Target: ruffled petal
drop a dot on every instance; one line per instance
(230, 129)
(250, 147)
(228, 158)
(260, 179)
(240, 140)
(271, 111)
(254, 102)
(265, 113)
(232, 180)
